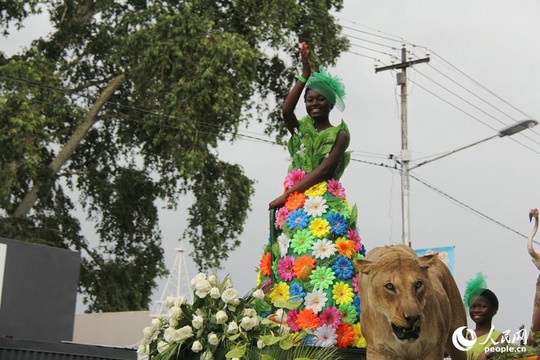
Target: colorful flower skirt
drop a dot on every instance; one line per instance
(307, 267)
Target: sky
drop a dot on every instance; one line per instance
(482, 76)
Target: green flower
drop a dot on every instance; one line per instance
(322, 277)
(302, 241)
(348, 313)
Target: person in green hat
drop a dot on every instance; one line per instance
(483, 305)
(307, 265)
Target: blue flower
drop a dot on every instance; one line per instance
(338, 224)
(363, 250)
(356, 303)
(297, 219)
(309, 340)
(297, 292)
(343, 268)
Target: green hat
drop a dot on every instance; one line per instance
(328, 86)
(474, 288)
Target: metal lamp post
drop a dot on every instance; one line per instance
(507, 131)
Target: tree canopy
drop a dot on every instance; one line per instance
(123, 104)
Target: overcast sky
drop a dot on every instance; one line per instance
(482, 76)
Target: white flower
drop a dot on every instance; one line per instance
(233, 327)
(197, 322)
(229, 296)
(284, 329)
(148, 332)
(156, 323)
(196, 279)
(221, 317)
(169, 301)
(228, 283)
(260, 344)
(315, 300)
(281, 316)
(185, 332)
(284, 242)
(214, 293)
(202, 288)
(213, 339)
(143, 349)
(213, 279)
(175, 312)
(258, 294)
(326, 336)
(162, 346)
(315, 206)
(207, 355)
(323, 248)
(197, 346)
(250, 312)
(173, 322)
(171, 335)
(180, 300)
(248, 323)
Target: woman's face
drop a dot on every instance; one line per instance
(317, 106)
(481, 311)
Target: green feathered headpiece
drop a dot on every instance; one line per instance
(328, 86)
(474, 288)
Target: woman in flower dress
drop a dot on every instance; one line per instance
(308, 261)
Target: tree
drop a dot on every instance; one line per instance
(123, 104)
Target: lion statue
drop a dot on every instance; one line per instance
(410, 305)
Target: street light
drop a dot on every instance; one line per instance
(507, 131)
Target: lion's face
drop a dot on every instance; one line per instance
(397, 287)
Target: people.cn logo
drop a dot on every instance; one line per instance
(463, 342)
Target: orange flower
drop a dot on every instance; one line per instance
(266, 264)
(307, 319)
(345, 247)
(345, 335)
(303, 266)
(295, 201)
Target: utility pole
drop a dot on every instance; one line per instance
(405, 153)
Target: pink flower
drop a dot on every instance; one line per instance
(285, 268)
(281, 215)
(293, 178)
(335, 188)
(291, 320)
(355, 285)
(353, 235)
(331, 316)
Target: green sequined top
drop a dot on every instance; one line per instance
(308, 147)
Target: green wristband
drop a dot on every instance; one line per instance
(301, 78)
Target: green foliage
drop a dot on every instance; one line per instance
(123, 104)
(516, 353)
(219, 324)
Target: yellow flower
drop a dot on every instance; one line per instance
(343, 293)
(259, 277)
(280, 292)
(319, 227)
(359, 340)
(317, 189)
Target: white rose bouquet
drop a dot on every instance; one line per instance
(219, 321)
